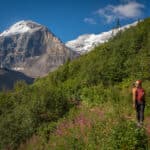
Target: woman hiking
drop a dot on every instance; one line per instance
(138, 94)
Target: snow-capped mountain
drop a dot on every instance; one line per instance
(85, 43)
(32, 48)
(20, 27)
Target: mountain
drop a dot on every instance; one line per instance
(31, 48)
(9, 77)
(87, 42)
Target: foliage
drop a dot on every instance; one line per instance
(126, 136)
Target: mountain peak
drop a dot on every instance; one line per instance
(20, 27)
(32, 48)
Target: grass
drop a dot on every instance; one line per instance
(103, 126)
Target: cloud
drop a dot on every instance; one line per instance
(130, 9)
(90, 20)
(126, 1)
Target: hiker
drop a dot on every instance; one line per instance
(139, 101)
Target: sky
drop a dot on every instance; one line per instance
(68, 19)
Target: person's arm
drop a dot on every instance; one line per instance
(144, 95)
(134, 96)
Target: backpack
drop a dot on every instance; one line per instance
(140, 94)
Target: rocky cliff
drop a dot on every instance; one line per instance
(31, 48)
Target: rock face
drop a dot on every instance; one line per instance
(31, 48)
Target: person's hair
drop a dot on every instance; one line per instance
(139, 82)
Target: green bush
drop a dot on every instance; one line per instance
(127, 136)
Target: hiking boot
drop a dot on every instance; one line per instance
(139, 124)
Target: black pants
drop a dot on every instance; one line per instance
(140, 106)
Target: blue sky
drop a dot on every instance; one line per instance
(68, 19)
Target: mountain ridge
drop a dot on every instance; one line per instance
(8, 78)
(86, 42)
